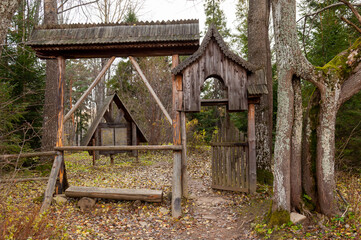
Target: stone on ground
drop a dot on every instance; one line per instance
(86, 204)
(297, 218)
(60, 199)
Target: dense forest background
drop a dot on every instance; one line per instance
(22, 79)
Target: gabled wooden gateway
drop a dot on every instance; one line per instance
(241, 79)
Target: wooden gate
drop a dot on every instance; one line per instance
(230, 159)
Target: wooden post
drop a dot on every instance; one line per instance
(48, 196)
(177, 155)
(252, 149)
(93, 152)
(184, 155)
(134, 141)
(88, 91)
(63, 181)
(135, 64)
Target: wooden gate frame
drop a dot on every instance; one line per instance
(59, 42)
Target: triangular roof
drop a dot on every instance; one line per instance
(86, 140)
(257, 84)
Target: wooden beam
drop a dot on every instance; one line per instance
(48, 196)
(184, 156)
(135, 64)
(16, 180)
(214, 102)
(118, 148)
(88, 91)
(25, 155)
(177, 155)
(147, 195)
(252, 149)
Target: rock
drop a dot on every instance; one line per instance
(297, 218)
(163, 210)
(137, 203)
(86, 204)
(143, 224)
(60, 199)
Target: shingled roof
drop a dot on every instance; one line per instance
(257, 82)
(121, 39)
(88, 136)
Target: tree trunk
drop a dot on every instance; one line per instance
(259, 53)
(309, 146)
(50, 117)
(282, 153)
(325, 162)
(296, 177)
(7, 10)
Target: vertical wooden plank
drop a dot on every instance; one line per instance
(184, 155)
(177, 155)
(252, 149)
(238, 166)
(134, 141)
(229, 166)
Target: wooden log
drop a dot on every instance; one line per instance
(147, 195)
(184, 156)
(252, 149)
(25, 155)
(88, 91)
(48, 196)
(135, 64)
(118, 148)
(16, 180)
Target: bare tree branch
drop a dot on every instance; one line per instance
(349, 5)
(351, 86)
(79, 5)
(325, 8)
(351, 23)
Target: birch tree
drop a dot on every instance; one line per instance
(336, 81)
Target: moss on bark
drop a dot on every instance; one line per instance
(278, 218)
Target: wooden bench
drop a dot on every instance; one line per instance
(147, 195)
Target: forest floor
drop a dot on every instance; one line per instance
(207, 214)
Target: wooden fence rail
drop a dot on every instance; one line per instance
(118, 148)
(25, 155)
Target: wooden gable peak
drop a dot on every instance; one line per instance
(213, 33)
(98, 118)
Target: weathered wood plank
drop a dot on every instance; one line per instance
(48, 196)
(134, 140)
(147, 195)
(177, 155)
(252, 149)
(184, 156)
(118, 148)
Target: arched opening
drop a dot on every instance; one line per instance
(214, 88)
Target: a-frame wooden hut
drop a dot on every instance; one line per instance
(113, 126)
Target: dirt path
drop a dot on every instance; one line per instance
(217, 214)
